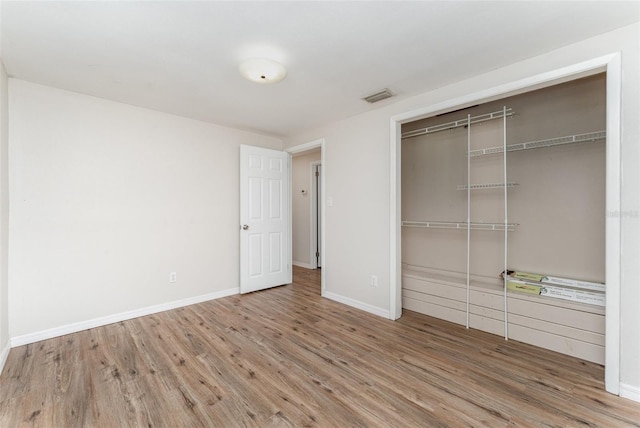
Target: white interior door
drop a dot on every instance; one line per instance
(265, 218)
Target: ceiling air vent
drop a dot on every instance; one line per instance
(378, 96)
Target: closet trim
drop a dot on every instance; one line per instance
(609, 64)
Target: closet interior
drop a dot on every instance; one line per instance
(516, 185)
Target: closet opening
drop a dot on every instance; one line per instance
(521, 181)
(472, 210)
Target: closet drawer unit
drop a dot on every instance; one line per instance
(562, 326)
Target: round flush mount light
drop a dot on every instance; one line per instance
(262, 70)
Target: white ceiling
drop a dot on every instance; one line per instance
(182, 57)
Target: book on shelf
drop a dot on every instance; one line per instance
(574, 295)
(523, 287)
(555, 280)
(560, 288)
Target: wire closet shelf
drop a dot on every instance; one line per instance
(462, 225)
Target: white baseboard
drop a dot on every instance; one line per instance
(110, 319)
(629, 391)
(357, 304)
(302, 264)
(4, 354)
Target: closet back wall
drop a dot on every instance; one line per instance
(559, 203)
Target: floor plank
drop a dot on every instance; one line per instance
(286, 357)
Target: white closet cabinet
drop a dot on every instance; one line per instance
(453, 239)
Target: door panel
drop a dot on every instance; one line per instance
(265, 241)
(275, 251)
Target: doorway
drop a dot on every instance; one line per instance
(307, 194)
(316, 223)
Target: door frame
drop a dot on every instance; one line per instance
(313, 220)
(611, 64)
(323, 178)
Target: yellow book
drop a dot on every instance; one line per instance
(523, 287)
(525, 276)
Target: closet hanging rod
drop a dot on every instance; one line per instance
(457, 123)
(485, 186)
(549, 142)
(510, 227)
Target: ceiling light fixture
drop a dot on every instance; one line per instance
(262, 70)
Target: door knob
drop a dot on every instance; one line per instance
(245, 226)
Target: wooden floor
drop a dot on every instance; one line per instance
(286, 357)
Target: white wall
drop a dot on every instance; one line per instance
(107, 199)
(301, 207)
(357, 152)
(4, 215)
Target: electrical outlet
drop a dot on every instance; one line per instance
(374, 280)
(173, 277)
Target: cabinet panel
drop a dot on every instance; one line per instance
(563, 329)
